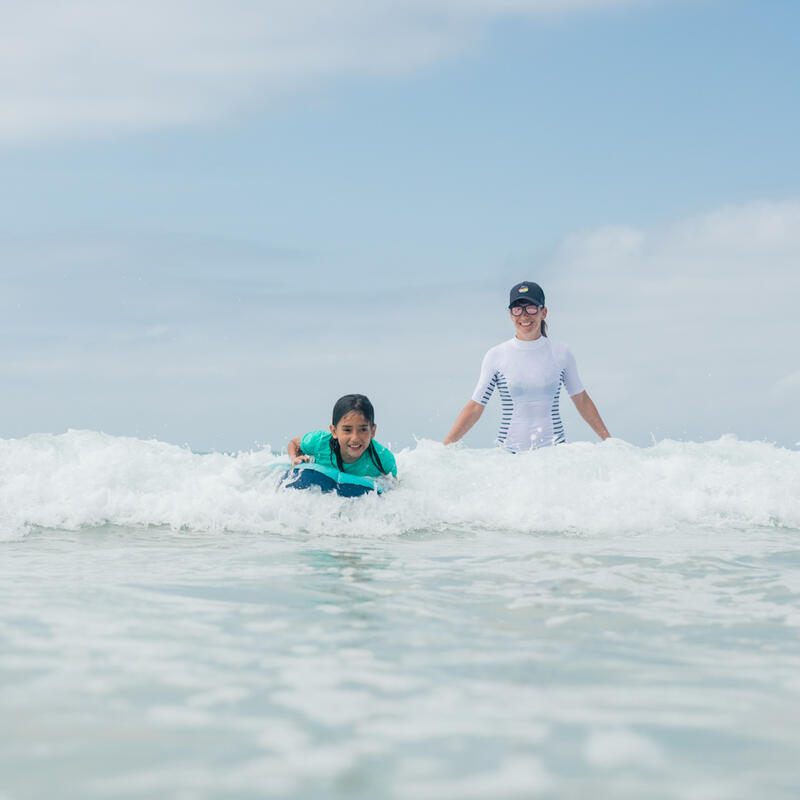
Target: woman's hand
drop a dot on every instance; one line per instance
(301, 459)
(469, 415)
(588, 410)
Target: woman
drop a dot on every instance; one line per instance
(528, 371)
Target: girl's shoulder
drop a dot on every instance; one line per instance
(388, 461)
(382, 448)
(314, 440)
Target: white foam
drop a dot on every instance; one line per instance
(85, 479)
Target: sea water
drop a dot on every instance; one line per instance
(591, 620)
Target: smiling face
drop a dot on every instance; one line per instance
(527, 326)
(354, 432)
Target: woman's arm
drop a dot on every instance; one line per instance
(469, 415)
(588, 410)
(295, 453)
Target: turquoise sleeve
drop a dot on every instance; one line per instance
(312, 443)
(387, 458)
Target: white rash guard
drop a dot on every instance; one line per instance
(528, 376)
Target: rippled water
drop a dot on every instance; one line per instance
(172, 627)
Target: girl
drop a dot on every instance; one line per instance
(349, 447)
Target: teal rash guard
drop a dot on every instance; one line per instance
(318, 445)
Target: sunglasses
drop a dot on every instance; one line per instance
(531, 309)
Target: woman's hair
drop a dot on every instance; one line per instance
(343, 406)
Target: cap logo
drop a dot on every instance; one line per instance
(522, 289)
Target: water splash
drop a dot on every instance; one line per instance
(85, 479)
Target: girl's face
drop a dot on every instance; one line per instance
(527, 326)
(354, 433)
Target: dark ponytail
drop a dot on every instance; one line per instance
(343, 406)
(337, 453)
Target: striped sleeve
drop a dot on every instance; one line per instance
(569, 373)
(487, 381)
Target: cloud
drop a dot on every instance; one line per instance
(787, 388)
(690, 328)
(92, 67)
(737, 254)
(686, 330)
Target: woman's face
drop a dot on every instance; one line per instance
(527, 326)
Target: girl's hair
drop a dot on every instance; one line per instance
(353, 402)
(344, 405)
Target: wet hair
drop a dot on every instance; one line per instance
(343, 406)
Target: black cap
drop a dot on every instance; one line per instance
(527, 290)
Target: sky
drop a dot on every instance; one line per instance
(218, 218)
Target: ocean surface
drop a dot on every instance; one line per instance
(586, 621)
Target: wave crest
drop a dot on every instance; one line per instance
(87, 479)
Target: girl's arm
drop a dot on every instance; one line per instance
(588, 410)
(295, 453)
(469, 415)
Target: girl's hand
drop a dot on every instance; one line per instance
(295, 453)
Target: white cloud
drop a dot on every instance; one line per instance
(745, 252)
(89, 67)
(687, 331)
(788, 388)
(689, 328)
